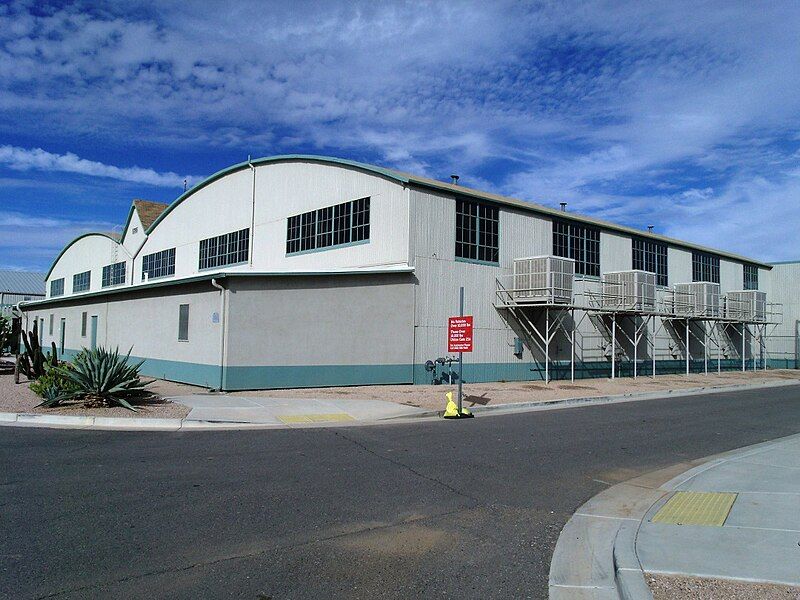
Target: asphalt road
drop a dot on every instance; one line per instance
(462, 509)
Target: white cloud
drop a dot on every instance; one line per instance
(647, 112)
(23, 159)
(31, 242)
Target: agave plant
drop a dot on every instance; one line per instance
(102, 378)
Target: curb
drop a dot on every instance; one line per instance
(159, 424)
(512, 407)
(597, 547)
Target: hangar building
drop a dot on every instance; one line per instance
(295, 271)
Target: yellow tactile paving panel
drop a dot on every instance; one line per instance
(315, 418)
(696, 508)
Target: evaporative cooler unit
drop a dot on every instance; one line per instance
(543, 279)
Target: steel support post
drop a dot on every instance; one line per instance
(743, 338)
(687, 346)
(572, 348)
(613, 345)
(635, 345)
(546, 346)
(653, 355)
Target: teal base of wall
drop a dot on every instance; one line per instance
(279, 377)
(207, 376)
(526, 371)
(253, 378)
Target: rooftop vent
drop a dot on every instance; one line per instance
(455, 179)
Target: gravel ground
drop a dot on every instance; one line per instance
(20, 398)
(432, 396)
(694, 588)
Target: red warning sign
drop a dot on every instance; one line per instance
(459, 334)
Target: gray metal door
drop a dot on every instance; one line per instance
(94, 332)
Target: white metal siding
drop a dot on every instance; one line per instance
(90, 253)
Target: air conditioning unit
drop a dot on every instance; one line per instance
(746, 305)
(629, 290)
(543, 279)
(697, 299)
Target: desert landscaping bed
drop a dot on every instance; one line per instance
(18, 398)
(668, 587)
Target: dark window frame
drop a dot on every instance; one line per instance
(749, 277)
(705, 267)
(329, 227)
(477, 232)
(579, 242)
(651, 256)
(114, 274)
(158, 264)
(232, 248)
(57, 287)
(81, 282)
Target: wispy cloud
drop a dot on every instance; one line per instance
(32, 242)
(629, 111)
(23, 159)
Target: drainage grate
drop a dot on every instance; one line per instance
(696, 508)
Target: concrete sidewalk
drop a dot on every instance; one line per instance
(288, 411)
(749, 500)
(758, 539)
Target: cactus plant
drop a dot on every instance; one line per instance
(32, 361)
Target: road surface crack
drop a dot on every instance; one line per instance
(408, 468)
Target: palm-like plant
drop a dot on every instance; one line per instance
(102, 378)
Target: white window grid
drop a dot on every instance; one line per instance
(158, 264)
(81, 281)
(114, 274)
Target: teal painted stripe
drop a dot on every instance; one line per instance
(326, 248)
(272, 377)
(277, 377)
(172, 370)
(533, 371)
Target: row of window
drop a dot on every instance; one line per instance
(328, 227)
(477, 238)
(322, 228)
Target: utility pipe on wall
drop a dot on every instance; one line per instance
(222, 320)
(252, 213)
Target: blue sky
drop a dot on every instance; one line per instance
(681, 115)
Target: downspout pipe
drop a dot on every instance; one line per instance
(222, 321)
(252, 213)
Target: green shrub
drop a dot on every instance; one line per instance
(102, 378)
(55, 378)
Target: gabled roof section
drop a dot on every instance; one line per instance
(330, 160)
(149, 211)
(22, 282)
(114, 237)
(424, 182)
